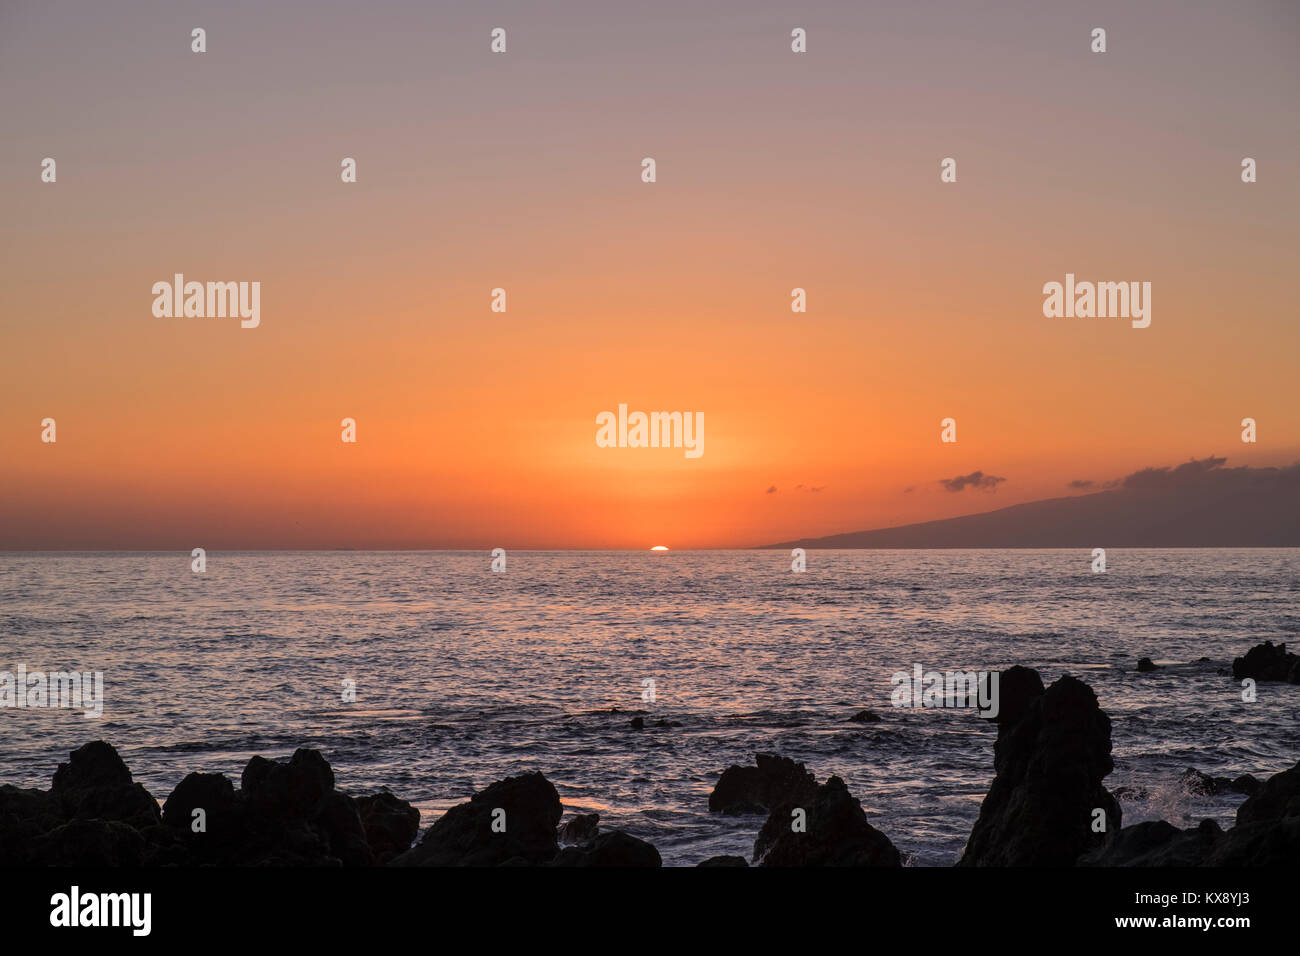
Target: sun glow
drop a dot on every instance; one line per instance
(659, 547)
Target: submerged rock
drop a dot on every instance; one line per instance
(865, 717)
(724, 861)
(771, 781)
(1146, 664)
(1052, 752)
(1194, 781)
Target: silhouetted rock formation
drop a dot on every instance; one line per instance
(1018, 688)
(285, 813)
(1267, 662)
(833, 831)
(724, 861)
(772, 781)
(95, 785)
(615, 848)
(1052, 752)
(1156, 843)
(1276, 800)
(1267, 834)
(865, 717)
(1146, 665)
(391, 824)
(513, 820)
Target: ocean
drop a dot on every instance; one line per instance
(464, 676)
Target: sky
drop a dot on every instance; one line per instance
(522, 171)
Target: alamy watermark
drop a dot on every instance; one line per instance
(651, 430)
(75, 908)
(59, 689)
(180, 299)
(1102, 300)
(957, 689)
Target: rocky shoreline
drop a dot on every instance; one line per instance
(1046, 806)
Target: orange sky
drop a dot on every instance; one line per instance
(522, 171)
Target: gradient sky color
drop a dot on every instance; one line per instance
(775, 170)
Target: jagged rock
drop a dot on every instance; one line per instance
(82, 842)
(341, 824)
(615, 848)
(865, 717)
(771, 781)
(96, 785)
(1267, 834)
(391, 824)
(724, 861)
(836, 833)
(581, 828)
(1049, 766)
(95, 764)
(1018, 688)
(1155, 843)
(1247, 783)
(1146, 664)
(1266, 662)
(285, 814)
(211, 792)
(464, 835)
(1277, 797)
(1272, 843)
(24, 816)
(287, 790)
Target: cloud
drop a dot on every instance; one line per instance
(1189, 472)
(1195, 472)
(772, 490)
(812, 489)
(1082, 483)
(976, 479)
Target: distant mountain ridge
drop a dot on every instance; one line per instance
(1197, 504)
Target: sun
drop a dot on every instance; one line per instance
(659, 547)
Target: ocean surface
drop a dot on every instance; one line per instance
(464, 676)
